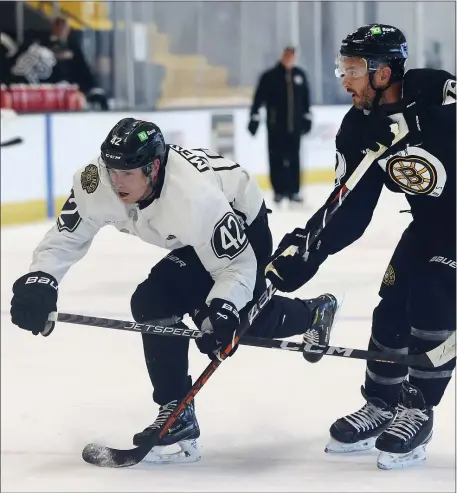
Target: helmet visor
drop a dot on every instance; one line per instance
(348, 66)
(354, 66)
(128, 178)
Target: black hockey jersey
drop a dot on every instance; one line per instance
(422, 168)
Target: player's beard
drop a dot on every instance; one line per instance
(363, 100)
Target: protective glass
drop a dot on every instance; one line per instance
(346, 66)
(128, 178)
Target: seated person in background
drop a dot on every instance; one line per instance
(57, 58)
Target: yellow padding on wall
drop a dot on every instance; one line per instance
(306, 177)
(29, 211)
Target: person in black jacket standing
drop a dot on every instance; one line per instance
(284, 91)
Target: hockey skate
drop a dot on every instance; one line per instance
(323, 309)
(358, 431)
(184, 433)
(403, 443)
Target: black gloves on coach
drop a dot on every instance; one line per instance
(307, 125)
(253, 126)
(290, 272)
(34, 298)
(218, 327)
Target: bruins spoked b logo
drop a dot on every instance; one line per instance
(90, 178)
(389, 276)
(413, 174)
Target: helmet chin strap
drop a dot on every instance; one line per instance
(155, 187)
(378, 91)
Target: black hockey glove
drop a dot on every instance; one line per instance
(253, 126)
(288, 270)
(306, 125)
(375, 130)
(219, 327)
(34, 298)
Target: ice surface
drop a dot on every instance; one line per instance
(264, 415)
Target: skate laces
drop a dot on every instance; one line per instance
(311, 336)
(368, 417)
(164, 413)
(408, 422)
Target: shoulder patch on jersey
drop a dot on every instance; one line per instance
(229, 239)
(90, 178)
(417, 172)
(389, 276)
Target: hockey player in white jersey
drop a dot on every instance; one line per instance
(211, 214)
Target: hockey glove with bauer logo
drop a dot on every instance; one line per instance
(34, 298)
(288, 270)
(218, 328)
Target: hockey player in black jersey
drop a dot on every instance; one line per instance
(417, 310)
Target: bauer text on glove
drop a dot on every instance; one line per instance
(34, 298)
(219, 327)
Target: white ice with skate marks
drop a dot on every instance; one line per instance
(264, 415)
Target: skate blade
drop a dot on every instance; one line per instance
(189, 452)
(389, 460)
(335, 447)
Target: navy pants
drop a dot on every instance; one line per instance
(417, 312)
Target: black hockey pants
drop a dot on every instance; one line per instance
(284, 158)
(416, 313)
(179, 284)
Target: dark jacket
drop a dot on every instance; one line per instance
(70, 66)
(286, 97)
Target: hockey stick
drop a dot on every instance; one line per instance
(345, 190)
(105, 456)
(341, 196)
(431, 359)
(12, 142)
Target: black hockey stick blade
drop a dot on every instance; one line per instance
(103, 456)
(100, 455)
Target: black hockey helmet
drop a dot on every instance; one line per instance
(376, 43)
(133, 144)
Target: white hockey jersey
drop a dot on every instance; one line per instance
(200, 192)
